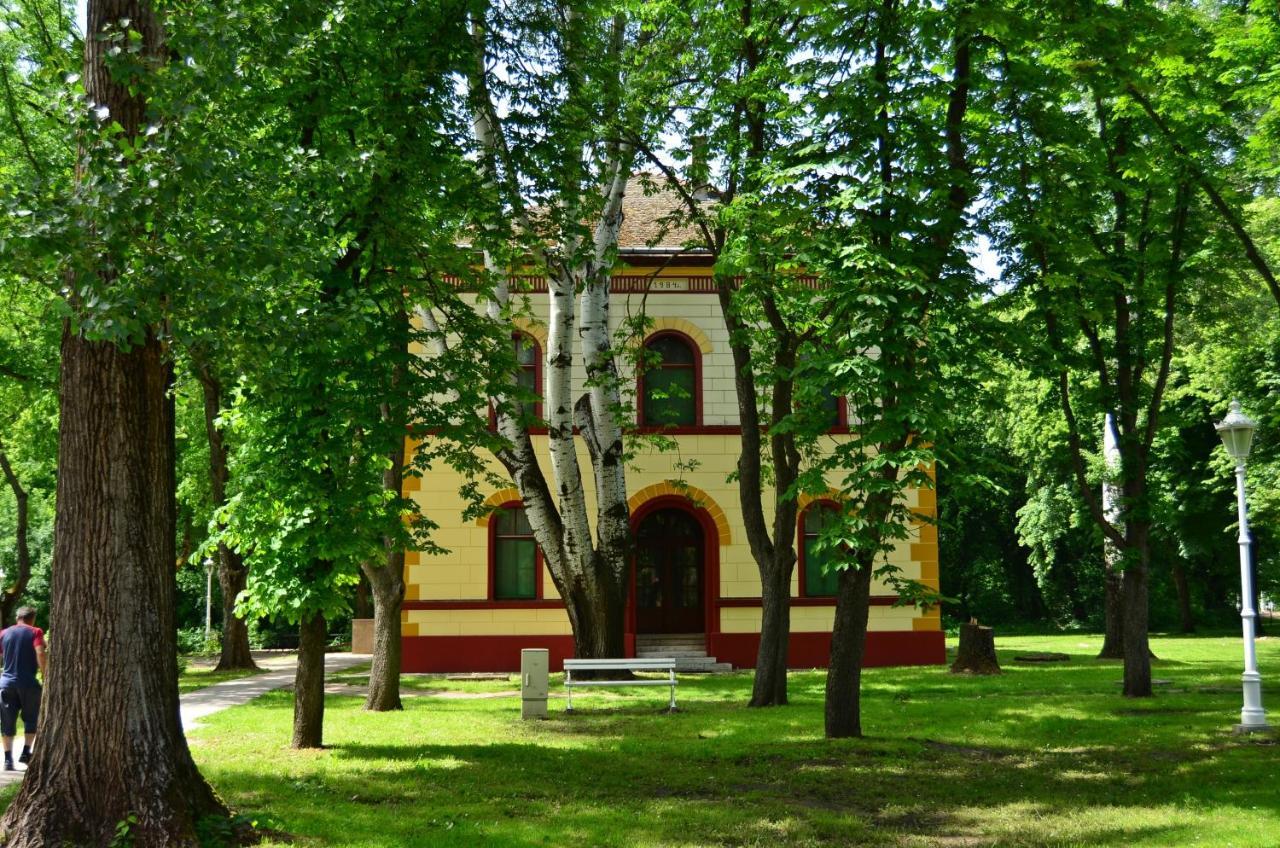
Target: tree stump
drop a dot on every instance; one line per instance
(977, 653)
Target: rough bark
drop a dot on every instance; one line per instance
(308, 684)
(843, 711)
(385, 578)
(1113, 615)
(13, 592)
(232, 571)
(1137, 649)
(387, 584)
(111, 742)
(977, 651)
(769, 687)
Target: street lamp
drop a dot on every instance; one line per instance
(1236, 431)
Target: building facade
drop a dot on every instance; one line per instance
(475, 607)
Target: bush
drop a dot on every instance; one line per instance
(192, 641)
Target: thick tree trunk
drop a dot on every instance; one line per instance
(597, 614)
(1137, 649)
(769, 688)
(111, 744)
(308, 685)
(977, 651)
(387, 587)
(848, 646)
(232, 572)
(10, 595)
(1113, 615)
(1187, 620)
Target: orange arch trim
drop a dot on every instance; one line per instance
(497, 499)
(692, 493)
(829, 495)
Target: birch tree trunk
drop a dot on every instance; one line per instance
(590, 573)
(111, 742)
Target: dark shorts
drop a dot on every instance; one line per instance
(15, 700)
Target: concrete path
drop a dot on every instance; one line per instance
(230, 693)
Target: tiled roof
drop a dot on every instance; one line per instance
(653, 216)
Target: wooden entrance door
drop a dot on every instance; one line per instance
(670, 573)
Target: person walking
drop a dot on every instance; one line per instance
(23, 651)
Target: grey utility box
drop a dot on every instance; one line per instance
(534, 667)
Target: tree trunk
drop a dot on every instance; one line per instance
(769, 688)
(232, 572)
(848, 646)
(308, 685)
(111, 744)
(1113, 615)
(977, 651)
(597, 613)
(1137, 649)
(1187, 620)
(387, 588)
(10, 595)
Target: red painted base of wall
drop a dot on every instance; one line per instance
(813, 650)
(807, 650)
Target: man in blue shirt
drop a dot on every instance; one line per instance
(24, 652)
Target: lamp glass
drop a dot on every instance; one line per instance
(1236, 431)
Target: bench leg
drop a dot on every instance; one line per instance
(568, 691)
(672, 705)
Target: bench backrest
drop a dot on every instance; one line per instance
(647, 664)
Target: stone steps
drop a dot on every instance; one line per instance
(689, 650)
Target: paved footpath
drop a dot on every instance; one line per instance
(231, 693)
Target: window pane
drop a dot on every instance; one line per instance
(527, 378)
(526, 351)
(817, 582)
(515, 566)
(669, 397)
(672, 350)
(831, 409)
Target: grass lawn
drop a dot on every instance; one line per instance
(1044, 756)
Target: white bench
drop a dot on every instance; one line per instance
(656, 664)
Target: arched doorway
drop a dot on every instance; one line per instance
(670, 573)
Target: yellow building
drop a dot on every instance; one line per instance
(696, 589)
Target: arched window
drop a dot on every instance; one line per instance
(669, 382)
(529, 365)
(514, 553)
(815, 580)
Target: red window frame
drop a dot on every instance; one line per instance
(537, 382)
(493, 558)
(823, 503)
(536, 367)
(696, 353)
